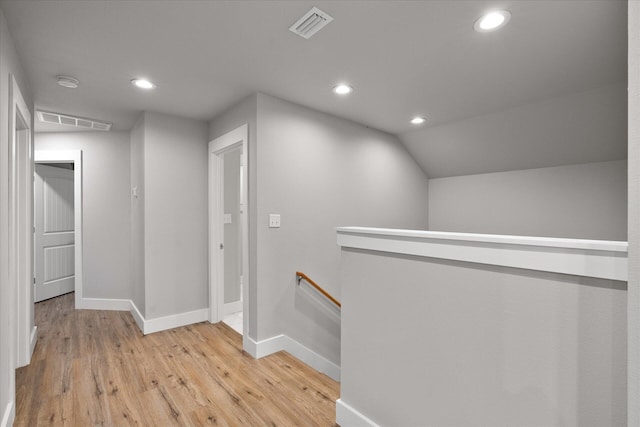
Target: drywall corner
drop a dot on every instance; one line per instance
(633, 289)
(137, 214)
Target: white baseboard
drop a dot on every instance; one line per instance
(8, 415)
(282, 342)
(313, 359)
(104, 304)
(137, 316)
(232, 307)
(250, 346)
(347, 416)
(146, 326)
(175, 321)
(269, 346)
(255, 349)
(32, 341)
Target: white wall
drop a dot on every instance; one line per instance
(137, 215)
(633, 296)
(586, 201)
(319, 172)
(176, 215)
(444, 343)
(106, 208)
(9, 64)
(153, 248)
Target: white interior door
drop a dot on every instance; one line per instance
(54, 234)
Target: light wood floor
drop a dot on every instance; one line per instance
(96, 368)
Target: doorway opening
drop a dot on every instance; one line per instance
(58, 224)
(228, 225)
(54, 240)
(232, 236)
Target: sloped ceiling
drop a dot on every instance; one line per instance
(403, 58)
(584, 127)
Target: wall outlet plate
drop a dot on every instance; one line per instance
(227, 218)
(274, 220)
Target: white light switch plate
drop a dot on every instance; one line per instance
(274, 220)
(227, 218)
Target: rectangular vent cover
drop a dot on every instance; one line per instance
(66, 120)
(312, 22)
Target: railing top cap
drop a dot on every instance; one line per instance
(595, 245)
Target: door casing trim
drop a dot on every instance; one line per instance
(229, 141)
(20, 223)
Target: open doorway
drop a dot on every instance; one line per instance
(54, 240)
(232, 214)
(228, 224)
(58, 224)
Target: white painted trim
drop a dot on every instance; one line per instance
(590, 258)
(238, 137)
(33, 340)
(175, 321)
(347, 416)
(137, 316)
(8, 415)
(284, 343)
(269, 346)
(633, 215)
(312, 359)
(105, 304)
(229, 139)
(216, 237)
(250, 346)
(232, 307)
(20, 234)
(552, 242)
(167, 322)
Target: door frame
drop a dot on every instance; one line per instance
(75, 157)
(229, 141)
(20, 223)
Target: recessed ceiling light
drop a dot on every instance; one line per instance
(417, 120)
(143, 84)
(492, 21)
(68, 82)
(342, 89)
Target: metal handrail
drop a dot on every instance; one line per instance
(300, 276)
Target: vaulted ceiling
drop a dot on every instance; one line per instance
(403, 58)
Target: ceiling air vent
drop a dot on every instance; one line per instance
(312, 22)
(79, 122)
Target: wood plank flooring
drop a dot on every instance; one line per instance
(96, 368)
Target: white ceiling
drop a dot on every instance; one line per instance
(402, 57)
